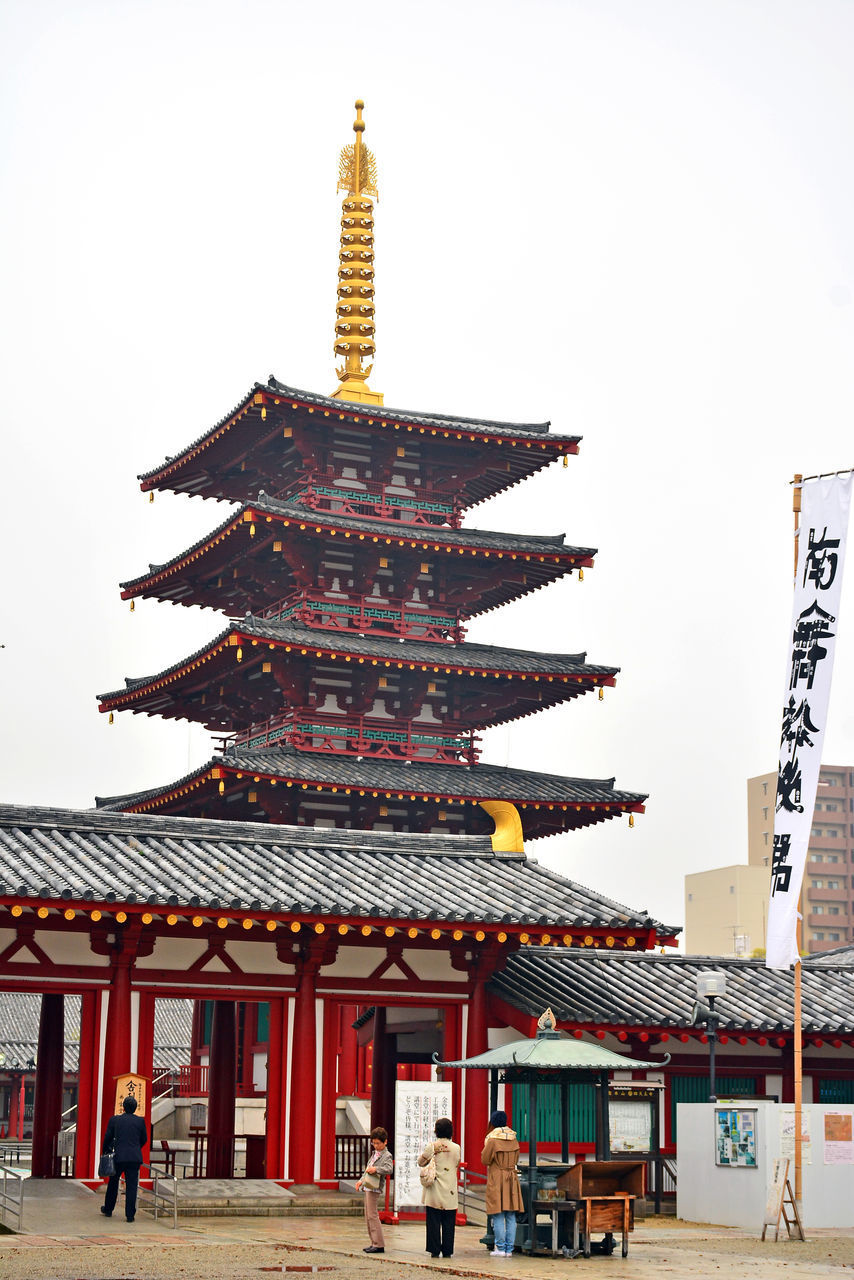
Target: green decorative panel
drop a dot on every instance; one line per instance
(833, 1091)
(696, 1089)
(263, 1022)
(582, 1112)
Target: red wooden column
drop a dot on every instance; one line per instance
(379, 1073)
(15, 1111)
(117, 1036)
(303, 1109)
(348, 1049)
(452, 1052)
(276, 1097)
(328, 1093)
(477, 1083)
(47, 1102)
(87, 1086)
(198, 1032)
(222, 1079)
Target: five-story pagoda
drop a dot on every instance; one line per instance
(342, 684)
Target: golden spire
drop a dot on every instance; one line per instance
(354, 326)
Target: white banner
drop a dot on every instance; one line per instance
(815, 618)
(418, 1104)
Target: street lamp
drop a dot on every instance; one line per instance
(710, 986)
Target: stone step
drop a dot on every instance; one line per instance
(249, 1210)
(239, 1197)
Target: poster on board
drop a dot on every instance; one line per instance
(787, 1136)
(418, 1105)
(630, 1123)
(735, 1137)
(838, 1137)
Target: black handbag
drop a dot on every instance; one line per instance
(106, 1166)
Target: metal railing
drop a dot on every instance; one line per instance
(12, 1151)
(12, 1205)
(465, 1177)
(154, 1199)
(159, 1089)
(352, 1153)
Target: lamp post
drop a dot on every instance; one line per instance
(710, 986)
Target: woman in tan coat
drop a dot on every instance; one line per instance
(503, 1193)
(441, 1196)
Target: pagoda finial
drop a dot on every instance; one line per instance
(354, 326)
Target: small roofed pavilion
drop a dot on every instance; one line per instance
(550, 1058)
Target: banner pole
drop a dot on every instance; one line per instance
(797, 1035)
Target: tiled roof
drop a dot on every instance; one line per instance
(597, 988)
(836, 956)
(468, 655)
(55, 854)
(477, 782)
(19, 1029)
(490, 540)
(482, 426)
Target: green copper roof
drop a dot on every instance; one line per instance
(553, 1053)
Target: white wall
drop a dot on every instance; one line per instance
(735, 1197)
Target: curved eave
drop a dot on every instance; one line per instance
(546, 558)
(265, 407)
(520, 1056)
(564, 804)
(544, 679)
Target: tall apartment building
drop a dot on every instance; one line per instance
(726, 908)
(828, 905)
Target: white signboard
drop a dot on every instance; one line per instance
(815, 623)
(631, 1124)
(418, 1105)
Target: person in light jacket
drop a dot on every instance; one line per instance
(503, 1193)
(371, 1182)
(125, 1137)
(441, 1196)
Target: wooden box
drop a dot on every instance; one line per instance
(600, 1178)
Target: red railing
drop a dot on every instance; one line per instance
(193, 1081)
(359, 736)
(324, 491)
(360, 614)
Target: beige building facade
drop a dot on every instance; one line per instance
(726, 908)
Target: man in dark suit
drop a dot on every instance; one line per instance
(125, 1137)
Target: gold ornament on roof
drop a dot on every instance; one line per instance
(354, 325)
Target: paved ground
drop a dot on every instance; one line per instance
(66, 1238)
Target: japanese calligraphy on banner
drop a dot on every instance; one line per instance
(418, 1105)
(815, 618)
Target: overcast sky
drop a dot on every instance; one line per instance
(631, 217)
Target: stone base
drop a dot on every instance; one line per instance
(252, 1198)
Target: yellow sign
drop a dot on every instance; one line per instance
(131, 1086)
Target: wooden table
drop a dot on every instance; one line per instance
(610, 1214)
(556, 1208)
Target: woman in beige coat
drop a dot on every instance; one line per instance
(503, 1193)
(441, 1196)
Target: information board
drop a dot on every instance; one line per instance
(418, 1105)
(630, 1124)
(735, 1137)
